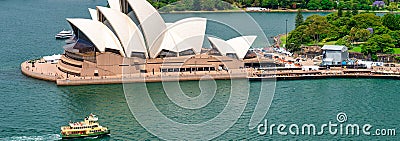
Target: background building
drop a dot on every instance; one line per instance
(334, 54)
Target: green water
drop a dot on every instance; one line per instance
(34, 110)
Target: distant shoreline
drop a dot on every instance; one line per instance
(270, 11)
(217, 11)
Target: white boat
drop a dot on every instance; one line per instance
(64, 34)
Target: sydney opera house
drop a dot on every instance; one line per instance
(131, 37)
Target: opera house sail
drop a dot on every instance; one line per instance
(130, 38)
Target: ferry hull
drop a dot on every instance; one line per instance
(72, 136)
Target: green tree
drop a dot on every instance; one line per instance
(352, 35)
(340, 12)
(392, 6)
(248, 2)
(395, 36)
(343, 41)
(379, 44)
(298, 37)
(318, 27)
(284, 3)
(368, 2)
(340, 4)
(196, 5)
(331, 17)
(347, 5)
(314, 5)
(221, 5)
(256, 3)
(367, 20)
(270, 3)
(391, 21)
(348, 14)
(326, 4)
(354, 11)
(362, 35)
(374, 8)
(208, 5)
(299, 18)
(381, 30)
(264, 3)
(238, 4)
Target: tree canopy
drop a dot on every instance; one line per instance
(299, 18)
(353, 5)
(373, 33)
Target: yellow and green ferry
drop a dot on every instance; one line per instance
(87, 128)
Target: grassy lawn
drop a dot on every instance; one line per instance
(330, 43)
(283, 40)
(322, 43)
(396, 50)
(356, 49)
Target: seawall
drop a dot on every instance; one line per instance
(51, 75)
(102, 80)
(305, 77)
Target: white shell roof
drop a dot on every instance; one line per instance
(183, 35)
(169, 24)
(191, 32)
(154, 34)
(169, 43)
(222, 46)
(239, 45)
(125, 29)
(93, 14)
(151, 22)
(114, 4)
(98, 33)
(136, 44)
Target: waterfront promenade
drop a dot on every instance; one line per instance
(49, 72)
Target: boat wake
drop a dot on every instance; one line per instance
(48, 137)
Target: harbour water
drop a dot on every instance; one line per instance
(34, 110)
